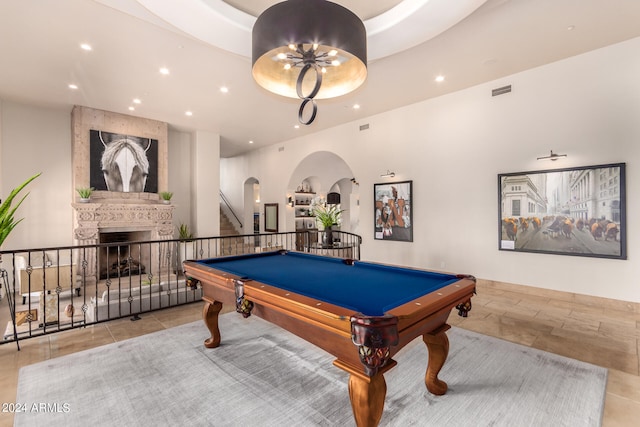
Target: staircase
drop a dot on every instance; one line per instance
(231, 245)
(226, 226)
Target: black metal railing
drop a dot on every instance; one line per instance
(56, 289)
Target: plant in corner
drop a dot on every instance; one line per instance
(166, 196)
(85, 192)
(7, 222)
(187, 251)
(184, 233)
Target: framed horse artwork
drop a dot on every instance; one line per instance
(123, 163)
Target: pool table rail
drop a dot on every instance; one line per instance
(446, 298)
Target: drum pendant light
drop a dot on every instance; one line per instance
(309, 49)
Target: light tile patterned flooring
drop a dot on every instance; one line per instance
(594, 330)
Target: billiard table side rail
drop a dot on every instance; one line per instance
(221, 286)
(455, 295)
(328, 326)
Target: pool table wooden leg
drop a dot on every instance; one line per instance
(367, 398)
(438, 345)
(210, 316)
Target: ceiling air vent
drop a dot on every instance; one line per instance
(364, 127)
(501, 90)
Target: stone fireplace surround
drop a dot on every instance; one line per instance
(109, 211)
(95, 219)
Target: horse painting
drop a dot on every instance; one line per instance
(124, 164)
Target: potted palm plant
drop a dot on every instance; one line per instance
(7, 221)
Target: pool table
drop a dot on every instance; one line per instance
(362, 313)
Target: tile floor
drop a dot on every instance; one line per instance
(594, 330)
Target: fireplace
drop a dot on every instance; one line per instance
(114, 211)
(127, 258)
(125, 223)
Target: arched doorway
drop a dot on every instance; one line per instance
(316, 176)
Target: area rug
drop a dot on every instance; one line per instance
(262, 375)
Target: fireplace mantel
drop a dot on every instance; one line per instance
(93, 218)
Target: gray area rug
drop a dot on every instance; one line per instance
(264, 376)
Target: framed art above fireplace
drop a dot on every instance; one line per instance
(123, 163)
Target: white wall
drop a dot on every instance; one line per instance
(181, 178)
(37, 140)
(206, 161)
(453, 147)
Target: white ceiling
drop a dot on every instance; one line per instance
(40, 56)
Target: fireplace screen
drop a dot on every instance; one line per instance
(127, 258)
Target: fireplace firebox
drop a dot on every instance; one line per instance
(126, 258)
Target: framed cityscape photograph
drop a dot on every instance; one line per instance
(393, 211)
(577, 211)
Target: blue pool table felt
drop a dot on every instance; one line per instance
(368, 288)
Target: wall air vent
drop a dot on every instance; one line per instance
(364, 127)
(501, 90)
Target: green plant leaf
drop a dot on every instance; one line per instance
(7, 222)
(84, 192)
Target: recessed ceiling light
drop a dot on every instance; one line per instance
(86, 46)
(72, 86)
(224, 89)
(164, 71)
(136, 101)
(356, 106)
(250, 142)
(132, 108)
(440, 78)
(188, 113)
(571, 27)
(296, 126)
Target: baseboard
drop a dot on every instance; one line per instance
(586, 300)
